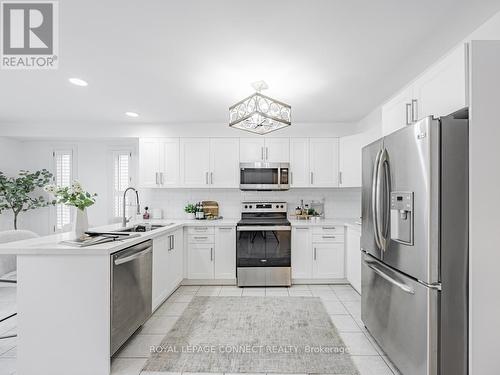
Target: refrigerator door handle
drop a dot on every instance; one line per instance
(375, 185)
(383, 227)
(373, 265)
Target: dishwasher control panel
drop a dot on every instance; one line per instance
(402, 217)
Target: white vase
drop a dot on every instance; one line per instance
(190, 215)
(80, 222)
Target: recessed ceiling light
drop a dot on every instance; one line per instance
(78, 82)
(132, 114)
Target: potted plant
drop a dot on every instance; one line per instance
(16, 192)
(190, 210)
(75, 196)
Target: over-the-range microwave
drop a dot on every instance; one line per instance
(264, 176)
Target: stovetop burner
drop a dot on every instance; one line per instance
(263, 214)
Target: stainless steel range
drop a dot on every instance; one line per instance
(263, 245)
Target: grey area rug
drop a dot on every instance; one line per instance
(253, 335)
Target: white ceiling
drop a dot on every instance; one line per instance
(187, 61)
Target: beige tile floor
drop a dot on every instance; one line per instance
(342, 302)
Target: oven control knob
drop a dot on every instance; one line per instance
(281, 206)
(246, 206)
(250, 206)
(277, 206)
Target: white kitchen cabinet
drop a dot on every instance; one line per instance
(149, 162)
(353, 255)
(224, 162)
(277, 150)
(167, 266)
(225, 253)
(169, 160)
(328, 260)
(302, 253)
(200, 261)
(350, 149)
(195, 162)
(159, 162)
(251, 150)
(264, 150)
(397, 112)
(324, 162)
(439, 91)
(442, 89)
(299, 162)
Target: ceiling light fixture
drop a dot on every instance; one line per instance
(260, 114)
(132, 114)
(78, 82)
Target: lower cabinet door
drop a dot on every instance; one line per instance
(175, 260)
(201, 261)
(301, 253)
(328, 260)
(160, 270)
(225, 253)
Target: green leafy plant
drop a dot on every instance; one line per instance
(73, 195)
(190, 208)
(16, 192)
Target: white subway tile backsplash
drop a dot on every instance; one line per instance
(339, 203)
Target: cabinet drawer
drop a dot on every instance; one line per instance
(201, 230)
(328, 229)
(327, 238)
(201, 238)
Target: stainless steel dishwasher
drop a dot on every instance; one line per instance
(131, 283)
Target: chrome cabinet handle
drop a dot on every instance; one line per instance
(327, 228)
(200, 238)
(156, 174)
(211, 178)
(340, 178)
(201, 228)
(225, 228)
(302, 228)
(262, 153)
(312, 179)
(173, 241)
(161, 178)
(206, 178)
(291, 178)
(267, 153)
(414, 110)
(314, 253)
(405, 288)
(408, 110)
(329, 237)
(211, 254)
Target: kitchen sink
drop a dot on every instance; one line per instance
(139, 228)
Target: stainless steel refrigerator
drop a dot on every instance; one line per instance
(414, 245)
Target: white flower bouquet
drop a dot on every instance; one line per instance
(73, 195)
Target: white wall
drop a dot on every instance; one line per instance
(92, 169)
(339, 203)
(484, 201)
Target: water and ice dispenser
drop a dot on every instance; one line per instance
(402, 217)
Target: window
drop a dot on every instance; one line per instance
(63, 176)
(121, 179)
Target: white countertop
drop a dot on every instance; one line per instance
(354, 222)
(51, 245)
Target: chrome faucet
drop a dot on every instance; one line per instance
(125, 220)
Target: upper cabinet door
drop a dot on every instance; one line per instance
(299, 162)
(252, 150)
(397, 113)
(324, 162)
(195, 162)
(170, 171)
(224, 162)
(149, 162)
(277, 150)
(442, 89)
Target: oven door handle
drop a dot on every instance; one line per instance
(263, 228)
